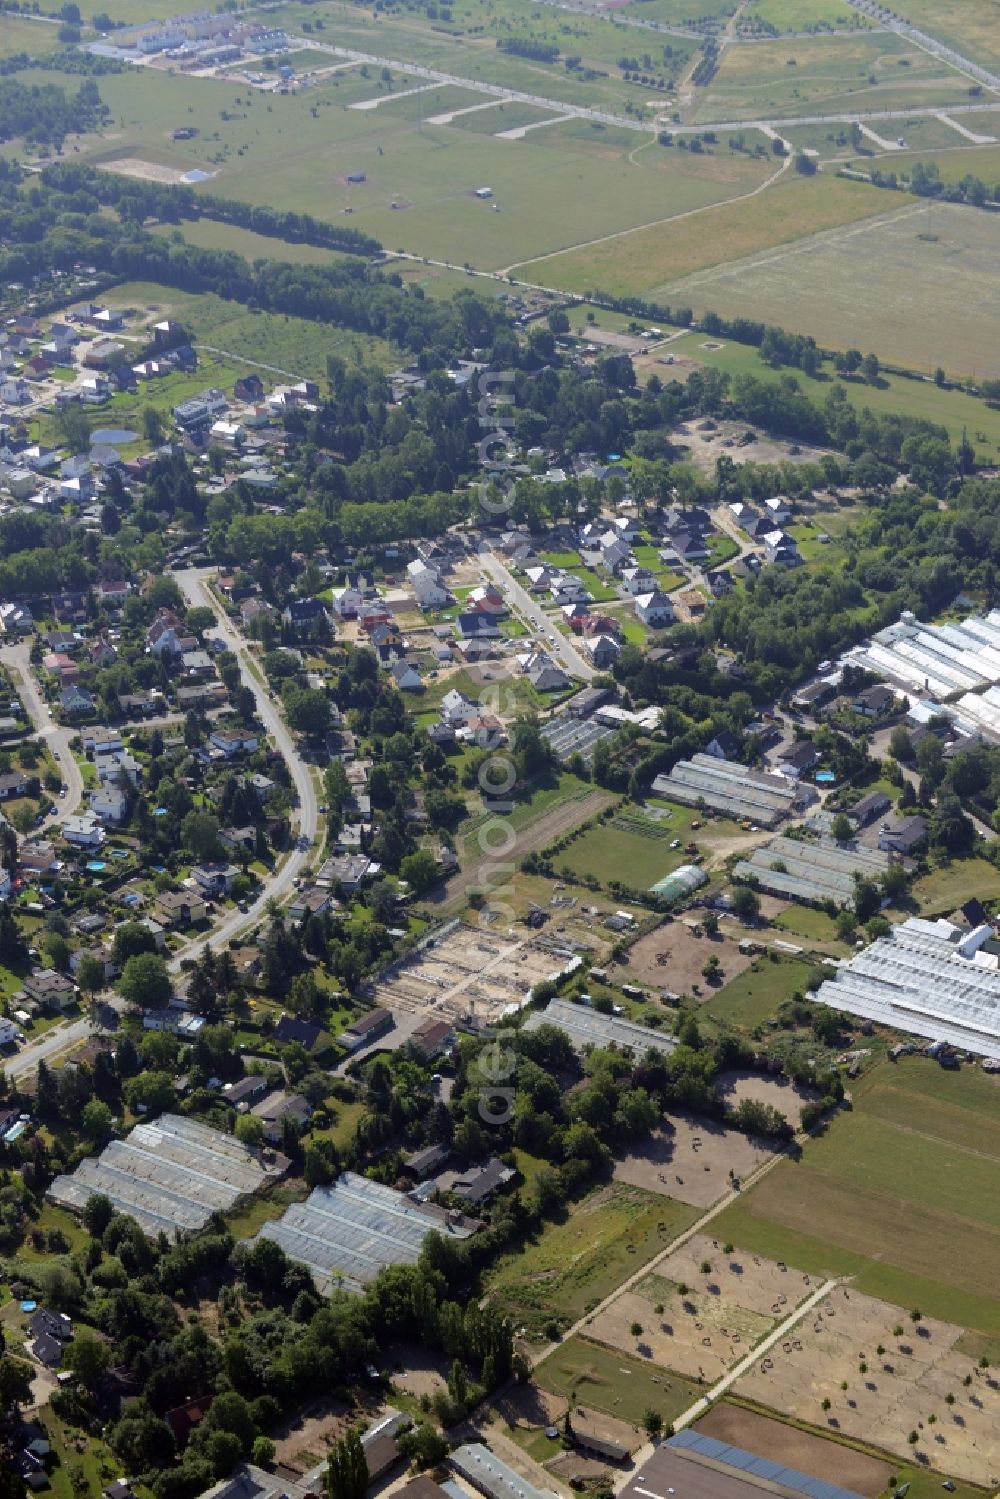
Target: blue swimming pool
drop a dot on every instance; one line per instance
(96, 865)
(825, 777)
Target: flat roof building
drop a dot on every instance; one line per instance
(693, 1465)
(734, 790)
(818, 872)
(587, 1027)
(491, 1476)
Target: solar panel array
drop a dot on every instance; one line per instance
(811, 871)
(725, 786)
(766, 1468)
(587, 1027)
(170, 1174)
(347, 1232)
(919, 981)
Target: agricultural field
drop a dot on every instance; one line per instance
(573, 1264)
(633, 851)
(21, 34)
(754, 996)
(867, 70)
(805, 15)
(939, 258)
(652, 261)
(862, 1200)
(610, 1381)
(973, 29)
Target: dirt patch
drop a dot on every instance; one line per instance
(527, 1405)
(898, 1391)
(684, 956)
(706, 1328)
(691, 1160)
(707, 446)
(784, 1095)
(311, 1433)
(797, 1449)
(418, 1371)
(574, 1465)
(146, 171)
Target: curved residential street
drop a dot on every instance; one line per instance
(56, 737)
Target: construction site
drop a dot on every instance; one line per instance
(468, 976)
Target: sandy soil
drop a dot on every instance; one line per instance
(146, 171)
(690, 1160)
(686, 955)
(797, 1449)
(901, 1389)
(787, 1097)
(709, 1327)
(422, 1372)
(708, 447)
(311, 1433)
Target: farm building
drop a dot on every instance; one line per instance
(684, 881)
(490, 1476)
(936, 661)
(570, 734)
(694, 1463)
(811, 871)
(171, 1174)
(928, 978)
(730, 788)
(587, 1027)
(347, 1232)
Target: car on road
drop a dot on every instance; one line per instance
(56, 755)
(62, 790)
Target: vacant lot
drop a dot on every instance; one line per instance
(944, 890)
(672, 957)
(782, 1094)
(651, 260)
(901, 1192)
(691, 1160)
(571, 1265)
(971, 26)
(901, 1377)
(797, 1449)
(701, 1321)
(942, 258)
(614, 1382)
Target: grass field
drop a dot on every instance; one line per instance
(607, 1380)
(208, 235)
(945, 889)
(753, 997)
(901, 1193)
(573, 1264)
(828, 74)
(806, 15)
(970, 26)
(942, 258)
(653, 260)
(21, 34)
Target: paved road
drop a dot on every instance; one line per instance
(17, 659)
(193, 584)
(60, 1038)
(555, 643)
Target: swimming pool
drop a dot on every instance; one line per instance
(825, 777)
(96, 865)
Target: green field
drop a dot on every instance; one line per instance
(806, 15)
(21, 34)
(753, 997)
(826, 74)
(945, 889)
(607, 1380)
(970, 26)
(573, 1264)
(635, 849)
(901, 1193)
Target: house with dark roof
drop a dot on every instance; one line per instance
(290, 1028)
(480, 1183)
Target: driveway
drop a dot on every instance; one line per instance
(57, 738)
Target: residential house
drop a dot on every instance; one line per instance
(247, 1091)
(441, 734)
(475, 625)
(176, 908)
(215, 879)
(51, 990)
(426, 584)
(303, 1032)
(233, 742)
(654, 610)
(197, 664)
(904, 835)
(15, 619)
(568, 589)
(349, 871)
(780, 550)
(110, 804)
(14, 783)
(778, 509)
(249, 388)
(101, 741)
(165, 634)
(797, 759)
(720, 582)
(406, 676)
(874, 804)
(432, 1037)
(279, 1107)
(239, 841)
(636, 580)
(103, 955)
(603, 651)
(305, 614)
(113, 591)
(616, 554)
(814, 695)
(311, 900)
(101, 652)
(874, 702)
(348, 602)
(426, 1160)
(481, 1182)
(725, 746)
(70, 608)
(83, 829)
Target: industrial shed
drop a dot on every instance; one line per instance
(347, 1232)
(587, 1027)
(730, 788)
(936, 661)
(815, 872)
(927, 978)
(694, 1465)
(170, 1175)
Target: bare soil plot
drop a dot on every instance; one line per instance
(715, 1321)
(797, 1449)
(787, 1097)
(311, 1432)
(901, 1390)
(690, 1160)
(145, 171)
(468, 972)
(419, 1371)
(684, 955)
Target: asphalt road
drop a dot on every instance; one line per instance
(193, 584)
(557, 644)
(17, 659)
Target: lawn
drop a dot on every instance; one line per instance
(609, 853)
(608, 1380)
(572, 1264)
(810, 926)
(21, 34)
(865, 1199)
(804, 15)
(945, 889)
(754, 996)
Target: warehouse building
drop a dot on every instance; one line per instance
(347, 1232)
(694, 1465)
(927, 978)
(587, 1027)
(936, 661)
(170, 1175)
(490, 1476)
(734, 790)
(815, 872)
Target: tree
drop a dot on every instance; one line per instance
(15, 1382)
(150, 1091)
(745, 903)
(420, 871)
(347, 1469)
(152, 425)
(131, 939)
(841, 828)
(97, 1120)
(653, 1422)
(90, 974)
(97, 1214)
(145, 982)
(200, 836)
(870, 368)
(88, 1357)
(901, 745)
(249, 1129)
(262, 1450)
(308, 711)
